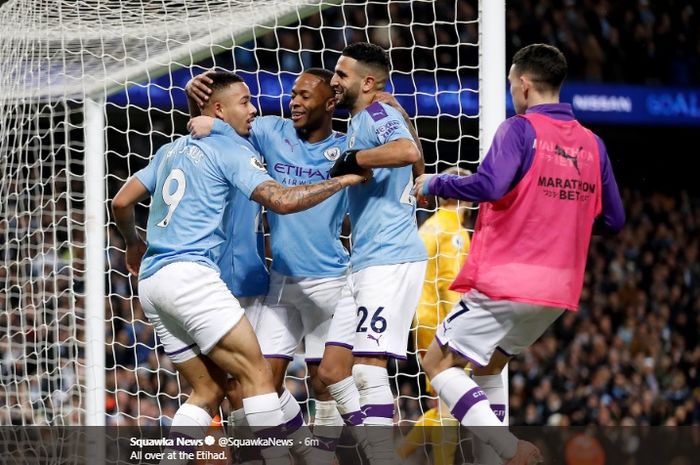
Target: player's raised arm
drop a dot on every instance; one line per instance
(132, 192)
(284, 200)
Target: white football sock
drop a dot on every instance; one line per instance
(469, 404)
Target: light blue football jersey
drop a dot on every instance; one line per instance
(242, 262)
(383, 210)
(192, 184)
(304, 244)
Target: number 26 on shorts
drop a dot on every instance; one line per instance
(377, 323)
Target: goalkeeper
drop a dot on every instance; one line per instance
(447, 243)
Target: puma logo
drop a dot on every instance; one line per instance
(289, 143)
(574, 158)
(375, 339)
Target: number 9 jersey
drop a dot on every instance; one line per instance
(192, 183)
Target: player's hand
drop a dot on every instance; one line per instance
(134, 255)
(356, 178)
(200, 126)
(418, 187)
(389, 99)
(346, 164)
(198, 89)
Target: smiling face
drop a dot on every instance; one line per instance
(312, 103)
(232, 104)
(346, 82)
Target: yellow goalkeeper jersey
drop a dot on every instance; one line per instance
(447, 244)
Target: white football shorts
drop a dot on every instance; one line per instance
(190, 308)
(342, 330)
(477, 326)
(252, 306)
(386, 297)
(297, 308)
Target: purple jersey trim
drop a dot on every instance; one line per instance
(179, 351)
(456, 351)
(282, 356)
(376, 111)
(379, 354)
(339, 344)
(312, 360)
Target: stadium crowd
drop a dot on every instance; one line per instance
(631, 41)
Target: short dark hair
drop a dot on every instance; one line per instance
(321, 73)
(545, 63)
(222, 79)
(368, 54)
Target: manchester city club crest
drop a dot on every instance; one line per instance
(332, 153)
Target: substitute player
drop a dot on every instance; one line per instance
(388, 260)
(201, 325)
(310, 264)
(544, 182)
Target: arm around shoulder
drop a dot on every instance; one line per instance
(284, 200)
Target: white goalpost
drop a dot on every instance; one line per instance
(89, 90)
(492, 96)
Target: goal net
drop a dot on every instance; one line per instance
(89, 90)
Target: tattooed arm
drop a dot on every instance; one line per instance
(284, 200)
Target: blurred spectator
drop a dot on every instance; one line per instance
(638, 41)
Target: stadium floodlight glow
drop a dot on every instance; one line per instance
(75, 347)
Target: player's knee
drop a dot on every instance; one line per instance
(208, 395)
(330, 373)
(251, 371)
(498, 362)
(434, 362)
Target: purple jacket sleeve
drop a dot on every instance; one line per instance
(505, 164)
(497, 171)
(613, 217)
